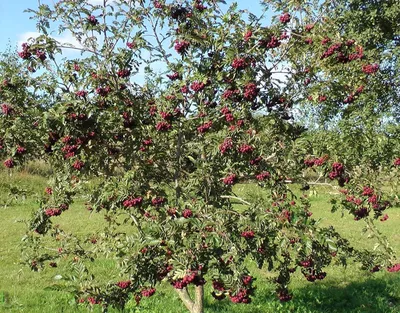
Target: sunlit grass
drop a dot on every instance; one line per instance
(344, 290)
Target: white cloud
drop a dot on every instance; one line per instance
(25, 36)
(65, 38)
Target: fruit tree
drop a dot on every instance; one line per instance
(165, 107)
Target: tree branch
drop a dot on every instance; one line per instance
(185, 297)
(236, 198)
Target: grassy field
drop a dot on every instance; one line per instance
(344, 290)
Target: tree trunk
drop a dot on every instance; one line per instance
(195, 306)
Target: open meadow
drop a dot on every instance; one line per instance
(344, 290)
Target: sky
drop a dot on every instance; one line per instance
(16, 27)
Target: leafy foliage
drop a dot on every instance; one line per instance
(167, 149)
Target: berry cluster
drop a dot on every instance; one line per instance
(217, 285)
(384, 218)
(131, 45)
(306, 263)
(158, 4)
(204, 127)
(124, 73)
(352, 96)
(148, 292)
(192, 277)
(199, 6)
(187, 213)
(255, 161)
(93, 300)
(247, 280)
(242, 296)
(341, 55)
(308, 41)
(103, 91)
(331, 50)
(337, 170)
(230, 179)
(48, 190)
(9, 163)
(163, 126)
(226, 145)
(81, 93)
(368, 191)
(174, 76)
(315, 161)
(197, 86)
(132, 202)
(366, 202)
(181, 46)
(124, 284)
(370, 68)
(263, 176)
(312, 275)
(158, 201)
(284, 296)
(285, 18)
(239, 63)
(25, 53)
(360, 213)
(53, 212)
(41, 55)
(20, 150)
(172, 212)
(128, 121)
(309, 27)
(92, 20)
(78, 165)
(164, 270)
(270, 43)
(248, 234)
(394, 268)
(69, 151)
(168, 116)
(247, 35)
(231, 94)
(245, 149)
(285, 216)
(309, 272)
(6, 109)
(250, 91)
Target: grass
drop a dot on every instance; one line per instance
(344, 290)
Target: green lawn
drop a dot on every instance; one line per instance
(344, 290)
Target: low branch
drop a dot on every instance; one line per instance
(236, 198)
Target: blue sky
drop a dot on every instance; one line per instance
(16, 27)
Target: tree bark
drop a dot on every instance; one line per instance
(196, 306)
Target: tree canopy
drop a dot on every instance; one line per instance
(170, 105)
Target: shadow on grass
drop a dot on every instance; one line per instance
(373, 295)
